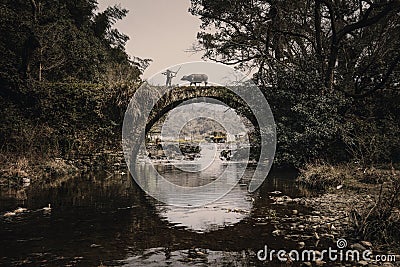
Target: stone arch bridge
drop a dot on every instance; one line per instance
(179, 95)
(151, 103)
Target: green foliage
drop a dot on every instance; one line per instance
(65, 77)
(329, 69)
(102, 26)
(63, 120)
(372, 130)
(308, 122)
(353, 46)
(47, 40)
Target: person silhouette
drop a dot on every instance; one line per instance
(170, 74)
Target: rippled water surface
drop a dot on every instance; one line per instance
(106, 219)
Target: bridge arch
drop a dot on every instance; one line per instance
(180, 95)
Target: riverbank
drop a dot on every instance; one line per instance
(20, 172)
(358, 204)
(301, 218)
(54, 129)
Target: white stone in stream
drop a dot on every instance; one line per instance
(275, 193)
(26, 182)
(295, 212)
(276, 232)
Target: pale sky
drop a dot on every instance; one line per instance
(158, 29)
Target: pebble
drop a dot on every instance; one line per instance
(9, 214)
(328, 236)
(22, 174)
(276, 232)
(358, 247)
(319, 263)
(363, 263)
(301, 245)
(20, 210)
(316, 235)
(366, 244)
(388, 264)
(275, 193)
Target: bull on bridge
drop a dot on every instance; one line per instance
(195, 79)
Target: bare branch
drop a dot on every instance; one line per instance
(366, 21)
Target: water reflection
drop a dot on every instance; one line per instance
(104, 218)
(229, 210)
(189, 189)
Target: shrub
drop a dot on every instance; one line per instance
(322, 176)
(62, 119)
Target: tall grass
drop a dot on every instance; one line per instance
(380, 222)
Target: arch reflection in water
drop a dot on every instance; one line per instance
(228, 210)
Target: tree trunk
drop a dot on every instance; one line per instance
(317, 22)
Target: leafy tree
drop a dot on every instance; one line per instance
(65, 78)
(103, 23)
(352, 45)
(53, 40)
(319, 63)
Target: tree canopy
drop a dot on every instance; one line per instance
(62, 40)
(352, 46)
(65, 77)
(329, 69)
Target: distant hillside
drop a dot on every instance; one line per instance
(202, 126)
